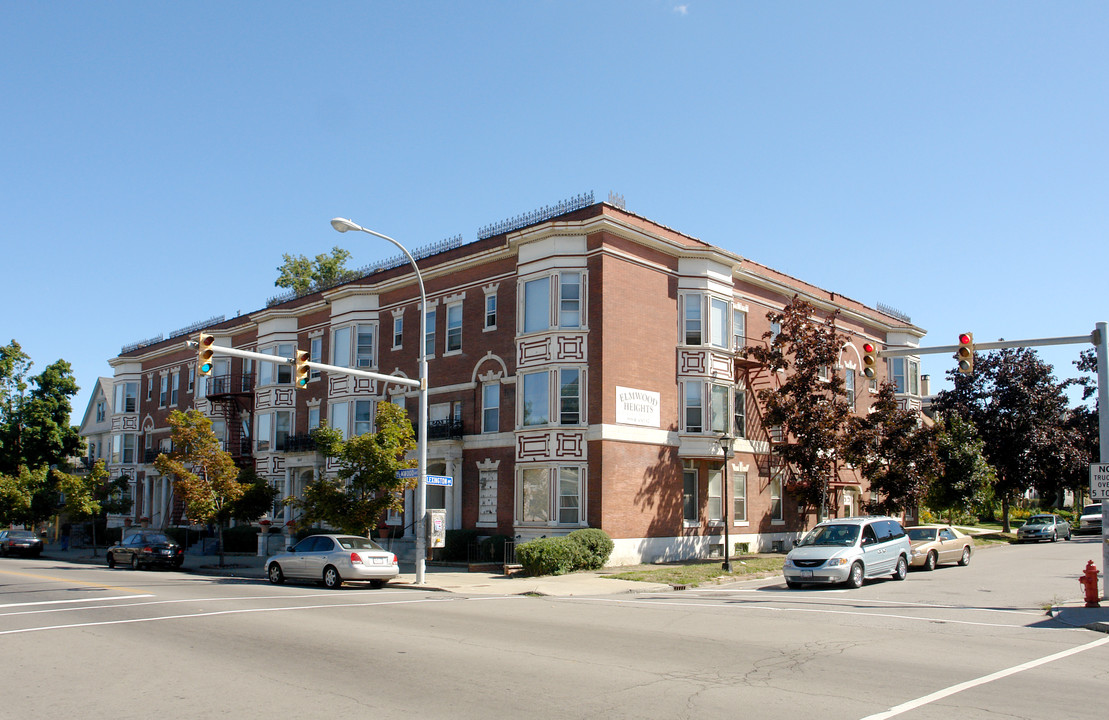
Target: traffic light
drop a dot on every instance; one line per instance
(965, 353)
(301, 374)
(870, 360)
(204, 353)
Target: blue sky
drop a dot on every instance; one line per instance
(949, 159)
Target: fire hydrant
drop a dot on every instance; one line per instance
(1089, 584)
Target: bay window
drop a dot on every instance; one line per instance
(550, 495)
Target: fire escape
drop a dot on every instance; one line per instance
(232, 400)
(757, 377)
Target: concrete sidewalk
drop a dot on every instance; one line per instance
(445, 578)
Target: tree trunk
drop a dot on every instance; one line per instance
(220, 534)
(1005, 514)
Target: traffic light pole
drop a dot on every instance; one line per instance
(277, 360)
(1098, 338)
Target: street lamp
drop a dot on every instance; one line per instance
(342, 225)
(726, 442)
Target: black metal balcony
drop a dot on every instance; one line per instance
(231, 384)
(148, 456)
(297, 443)
(443, 429)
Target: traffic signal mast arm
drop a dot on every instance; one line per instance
(998, 345)
(263, 357)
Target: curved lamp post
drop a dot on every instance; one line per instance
(342, 225)
(726, 441)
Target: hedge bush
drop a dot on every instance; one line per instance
(586, 549)
(550, 556)
(596, 546)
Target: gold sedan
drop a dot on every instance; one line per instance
(935, 544)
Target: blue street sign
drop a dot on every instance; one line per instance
(408, 473)
(412, 473)
(440, 480)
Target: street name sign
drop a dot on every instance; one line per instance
(445, 480)
(1099, 481)
(408, 473)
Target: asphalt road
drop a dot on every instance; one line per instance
(85, 641)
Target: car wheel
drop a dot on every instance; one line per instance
(275, 575)
(930, 561)
(1054, 536)
(965, 559)
(111, 560)
(902, 569)
(792, 585)
(855, 578)
(135, 564)
(332, 580)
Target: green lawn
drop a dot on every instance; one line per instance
(704, 572)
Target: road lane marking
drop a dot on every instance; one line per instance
(748, 606)
(163, 602)
(72, 601)
(216, 613)
(73, 582)
(948, 691)
(822, 598)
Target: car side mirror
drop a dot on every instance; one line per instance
(290, 548)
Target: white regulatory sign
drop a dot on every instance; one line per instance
(1099, 481)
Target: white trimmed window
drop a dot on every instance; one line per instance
(491, 311)
(265, 427)
(739, 416)
(127, 397)
(715, 506)
(454, 328)
(569, 299)
(340, 347)
(739, 496)
(363, 417)
(315, 354)
(564, 290)
(776, 495)
(429, 335)
(163, 390)
(491, 408)
(536, 400)
(364, 346)
(560, 389)
(551, 495)
(693, 406)
(398, 332)
(174, 387)
(718, 409)
(282, 429)
(537, 305)
(739, 329)
(339, 416)
(689, 493)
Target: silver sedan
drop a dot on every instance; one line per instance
(333, 560)
(1044, 527)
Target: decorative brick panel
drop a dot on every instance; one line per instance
(569, 446)
(691, 362)
(533, 447)
(534, 352)
(571, 348)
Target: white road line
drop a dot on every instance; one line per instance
(940, 694)
(174, 602)
(904, 603)
(63, 602)
(808, 610)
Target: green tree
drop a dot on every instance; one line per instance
(1019, 409)
(34, 413)
(302, 274)
(812, 410)
(966, 477)
(366, 485)
(894, 452)
(256, 500)
(28, 496)
(203, 474)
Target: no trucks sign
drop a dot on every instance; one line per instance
(1099, 481)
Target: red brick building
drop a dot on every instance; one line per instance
(582, 370)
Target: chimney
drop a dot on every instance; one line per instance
(925, 385)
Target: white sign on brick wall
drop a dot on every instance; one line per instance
(638, 407)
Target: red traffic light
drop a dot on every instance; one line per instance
(964, 339)
(868, 348)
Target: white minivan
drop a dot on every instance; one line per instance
(849, 550)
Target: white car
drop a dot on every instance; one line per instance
(333, 560)
(1090, 521)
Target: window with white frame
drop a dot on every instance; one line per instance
(339, 416)
(776, 495)
(123, 448)
(364, 346)
(429, 334)
(191, 379)
(719, 310)
(265, 428)
(775, 330)
(689, 493)
(739, 416)
(739, 496)
(692, 318)
(127, 397)
(363, 417)
(569, 299)
(174, 387)
(490, 311)
(282, 429)
(340, 347)
(739, 329)
(849, 386)
(536, 398)
(101, 411)
(547, 493)
(537, 305)
(313, 417)
(905, 375)
(491, 407)
(285, 370)
(454, 327)
(715, 500)
(569, 391)
(694, 407)
(245, 382)
(718, 408)
(315, 354)
(398, 332)
(163, 390)
(265, 369)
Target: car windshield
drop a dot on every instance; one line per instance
(358, 543)
(922, 533)
(156, 538)
(1091, 510)
(831, 535)
(1039, 520)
